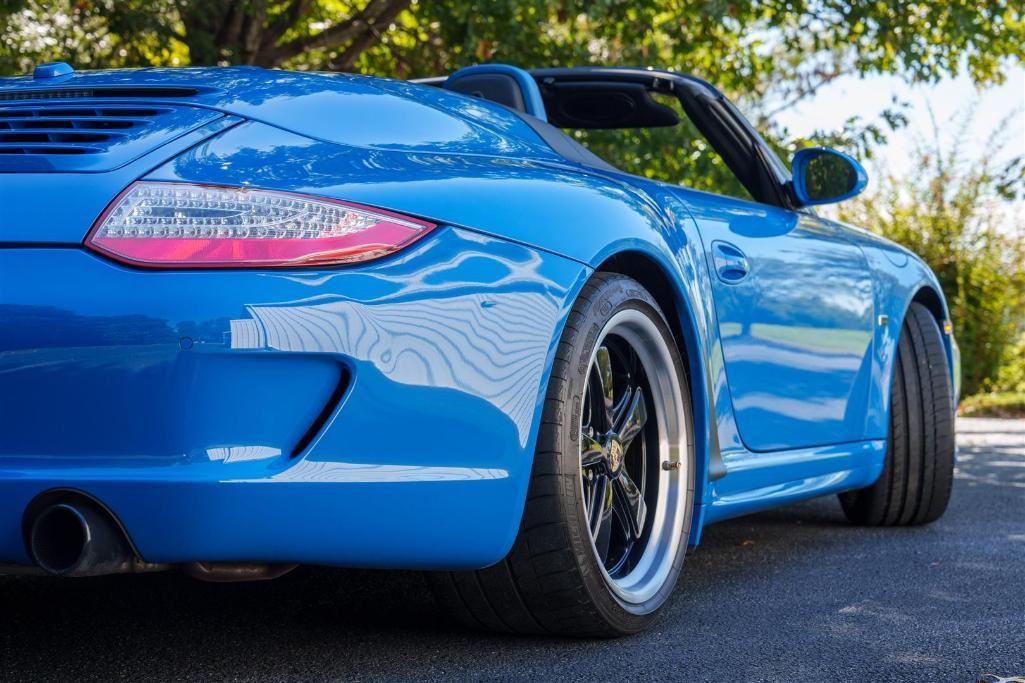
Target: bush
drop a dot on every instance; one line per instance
(1012, 370)
(993, 405)
(953, 213)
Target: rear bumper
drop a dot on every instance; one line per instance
(376, 416)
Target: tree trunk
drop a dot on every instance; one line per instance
(218, 31)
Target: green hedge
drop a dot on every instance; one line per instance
(1007, 404)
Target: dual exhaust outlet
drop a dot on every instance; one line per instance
(79, 537)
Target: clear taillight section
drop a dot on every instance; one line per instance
(183, 225)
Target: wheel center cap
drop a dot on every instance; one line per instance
(614, 452)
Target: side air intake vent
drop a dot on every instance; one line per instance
(71, 130)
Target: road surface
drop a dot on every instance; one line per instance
(795, 594)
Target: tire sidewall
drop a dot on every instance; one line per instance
(615, 294)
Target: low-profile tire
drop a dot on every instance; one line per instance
(614, 454)
(914, 487)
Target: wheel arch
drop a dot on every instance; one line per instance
(931, 297)
(928, 295)
(650, 273)
(659, 281)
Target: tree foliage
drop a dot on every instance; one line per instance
(948, 211)
(1011, 377)
(752, 48)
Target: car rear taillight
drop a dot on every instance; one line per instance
(180, 225)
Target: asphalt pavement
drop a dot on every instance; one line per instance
(795, 594)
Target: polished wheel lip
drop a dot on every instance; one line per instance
(664, 523)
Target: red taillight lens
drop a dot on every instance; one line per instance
(179, 225)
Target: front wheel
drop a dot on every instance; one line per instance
(914, 487)
(607, 518)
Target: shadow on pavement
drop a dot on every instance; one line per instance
(789, 593)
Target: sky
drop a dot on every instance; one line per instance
(851, 95)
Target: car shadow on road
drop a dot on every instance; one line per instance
(168, 624)
(781, 587)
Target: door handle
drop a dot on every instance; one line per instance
(730, 263)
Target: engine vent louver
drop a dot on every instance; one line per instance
(65, 135)
(72, 129)
(93, 93)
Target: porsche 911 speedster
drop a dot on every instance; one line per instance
(251, 319)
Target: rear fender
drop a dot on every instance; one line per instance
(580, 215)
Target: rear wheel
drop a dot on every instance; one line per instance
(607, 517)
(915, 484)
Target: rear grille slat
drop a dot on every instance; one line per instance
(24, 112)
(104, 92)
(59, 135)
(46, 148)
(101, 123)
(48, 129)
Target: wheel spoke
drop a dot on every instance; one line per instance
(596, 486)
(600, 515)
(632, 423)
(591, 452)
(602, 386)
(631, 502)
(622, 406)
(587, 483)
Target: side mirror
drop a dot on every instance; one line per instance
(824, 176)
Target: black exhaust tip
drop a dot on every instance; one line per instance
(78, 539)
(58, 538)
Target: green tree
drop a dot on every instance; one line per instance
(952, 211)
(114, 33)
(1011, 377)
(753, 49)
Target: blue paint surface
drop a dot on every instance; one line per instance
(193, 446)
(386, 414)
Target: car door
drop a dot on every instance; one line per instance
(793, 297)
(794, 301)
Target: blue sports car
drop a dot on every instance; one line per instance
(251, 319)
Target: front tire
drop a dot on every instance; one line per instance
(914, 487)
(607, 519)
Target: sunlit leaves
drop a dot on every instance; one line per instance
(949, 210)
(749, 47)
